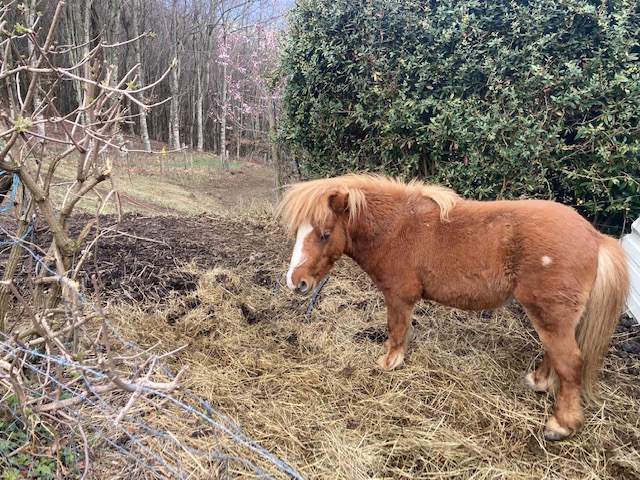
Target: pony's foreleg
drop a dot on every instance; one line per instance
(400, 332)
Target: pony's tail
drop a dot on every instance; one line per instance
(604, 307)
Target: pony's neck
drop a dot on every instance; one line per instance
(370, 234)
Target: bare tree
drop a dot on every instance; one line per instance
(136, 13)
(88, 143)
(176, 50)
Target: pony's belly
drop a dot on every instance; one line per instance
(474, 299)
(475, 303)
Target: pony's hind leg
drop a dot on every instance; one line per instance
(556, 327)
(400, 332)
(542, 379)
(566, 359)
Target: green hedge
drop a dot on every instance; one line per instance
(497, 99)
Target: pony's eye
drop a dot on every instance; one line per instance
(325, 236)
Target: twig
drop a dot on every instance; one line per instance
(102, 389)
(145, 239)
(85, 442)
(315, 296)
(19, 449)
(72, 401)
(135, 395)
(172, 352)
(50, 334)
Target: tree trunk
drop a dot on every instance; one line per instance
(37, 97)
(277, 165)
(78, 27)
(199, 106)
(136, 10)
(223, 121)
(113, 29)
(204, 21)
(174, 110)
(13, 260)
(239, 136)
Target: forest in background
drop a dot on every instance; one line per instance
(216, 58)
(508, 100)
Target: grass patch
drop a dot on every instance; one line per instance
(165, 195)
(157, 184)
(181, 162)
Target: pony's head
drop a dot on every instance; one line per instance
(317, 247)
(318, 214)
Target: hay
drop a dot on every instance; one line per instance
(310, 393)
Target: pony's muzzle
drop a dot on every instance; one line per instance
(303, 287)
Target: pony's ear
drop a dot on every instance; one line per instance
(338, 202)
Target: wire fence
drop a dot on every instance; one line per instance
(99, 411)
(78, 400)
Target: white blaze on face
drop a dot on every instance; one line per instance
(297, 258)
(546, 261)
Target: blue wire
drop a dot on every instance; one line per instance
(315, 295)
(14, 190)
(18, 240)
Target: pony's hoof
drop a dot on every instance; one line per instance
(554, 432)
(390, 361)
(529, 381)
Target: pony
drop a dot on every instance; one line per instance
(418, 241)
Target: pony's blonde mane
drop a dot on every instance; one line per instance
(309, 201)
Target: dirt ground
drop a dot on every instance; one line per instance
(145, 259)
(158, 262)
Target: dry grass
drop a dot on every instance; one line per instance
(309, 392)
(143, 187)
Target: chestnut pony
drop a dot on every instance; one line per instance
(418, 241)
